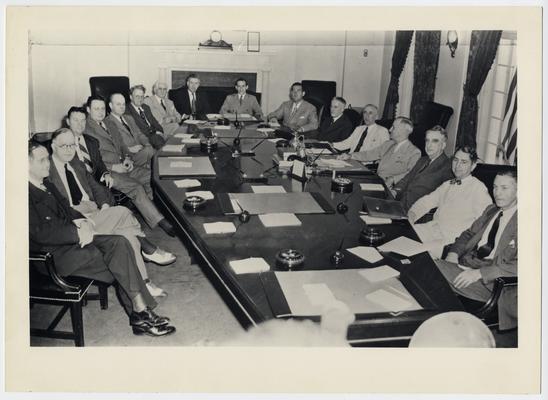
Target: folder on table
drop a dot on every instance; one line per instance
(173, 167)
(384, 208)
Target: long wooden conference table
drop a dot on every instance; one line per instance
(258, 297)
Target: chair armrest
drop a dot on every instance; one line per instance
(499, 284)
(47, 259)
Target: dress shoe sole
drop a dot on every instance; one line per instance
(159, 263)
(154, 331)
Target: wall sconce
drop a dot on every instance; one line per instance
(452, 42)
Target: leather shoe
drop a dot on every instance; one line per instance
(154, 330)
(147, 317)
(160, 257)
(167, 227)
(154, 290)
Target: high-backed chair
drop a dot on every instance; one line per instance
(215, 95)
(433, 114)
(354, 116)
(104, 86)
(319, 93)
(71, 293)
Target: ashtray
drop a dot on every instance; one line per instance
(341, 184)
(208, 145)
(193, 203)
(371, 236)
(289, 258)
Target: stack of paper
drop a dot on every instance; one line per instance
(249, 265)
(274, 220)
(372, 186)
(181, 164)
(268, 189)
(389, 301)
(369, 254)
(173, 148)
(379, 274)
(194, 122)
(222, 127)
(219, 227)
(187, 183)
(375, 220)
(183, 135)
(404, 246)
(204, 194)
(191, 141)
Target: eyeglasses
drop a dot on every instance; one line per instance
(67, 146)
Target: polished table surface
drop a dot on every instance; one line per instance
(318, 238)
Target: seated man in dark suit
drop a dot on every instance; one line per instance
(125, 126)
(428, 173)
(487, 250)
(242, 102)
(336, 128)
(142, 115)
(191, 103)
(297, 114)
(78, 250)
(89, 198)
(128, 178)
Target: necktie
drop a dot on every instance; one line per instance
(143, 116)
(455, 181)
(426, 164)
(293, 110)
(127, 126)
(487, 248)
(75, 192)
(163, 105)
(83, 155)
(102, 125)
(193, 104)
(362, 139)
(241, 98)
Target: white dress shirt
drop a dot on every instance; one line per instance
(458, 206)
(60, 166)
(376, 135)
(506, 216)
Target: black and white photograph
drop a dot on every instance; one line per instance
(351, 190)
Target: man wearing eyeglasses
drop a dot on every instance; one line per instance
(163, 108)
(458, 202)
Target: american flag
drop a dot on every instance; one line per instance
(507, 149)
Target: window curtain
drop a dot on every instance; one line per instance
(401, 48)
(483, 49)
(427, 51)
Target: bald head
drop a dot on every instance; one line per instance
(117, 104)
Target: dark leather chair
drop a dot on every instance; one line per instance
(353, 116)
(487, 172)
(319, 93)
(433, 114)
(104, 86)
(71, 293)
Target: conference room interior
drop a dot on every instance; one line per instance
(363, 67)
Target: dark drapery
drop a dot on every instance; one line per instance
(483, 49)
(401, 48)
(427, 51)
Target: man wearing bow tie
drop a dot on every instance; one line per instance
(143, 117)
(458, 202)
(488, 249)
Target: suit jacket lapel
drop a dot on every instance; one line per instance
(55, 179)
(506, 236)
(81, 176)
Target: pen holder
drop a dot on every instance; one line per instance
(289, 259)
(193, 203)
(341, 184)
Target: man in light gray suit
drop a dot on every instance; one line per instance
(163, 109)
(296, 114)
(135, 140)
(242, 102)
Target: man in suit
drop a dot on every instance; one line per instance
(128, 178)
(242, 102)
(143, 117)
(78, 250)
(458, 203)
(136, 142)
(365, 137)
(297, 114)
(163, 109)
(429, 172)
(336, 128)
(396, 157)
(85, 195)
(488, 250)
(191, 103)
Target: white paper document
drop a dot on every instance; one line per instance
(250, 265)
(265, 130)
(194, 122)
(369, 254)
(268, 189)
(379, 274)
(204, 194)
(183, 135)
(187, 183)
(318, 294)
(214, 116)
(274, 124)
(388, 300)
(180, 164)
(173, 148)
(372, 187)
(222, 127)
(191, 141)
(375, 220)
(332, 163)
(274, 220)
(274, 140)
(404, 246)
(219, 227)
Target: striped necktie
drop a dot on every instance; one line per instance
(83, 155)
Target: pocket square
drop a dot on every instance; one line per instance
(512, 243)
